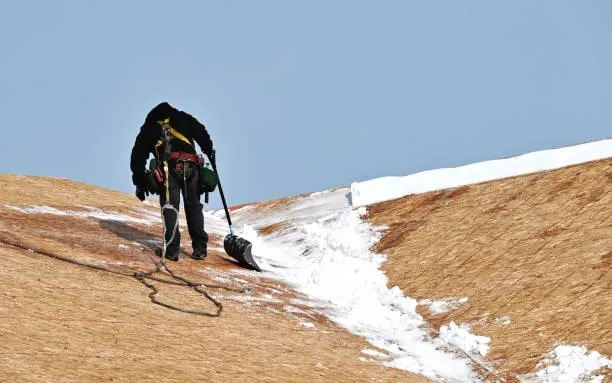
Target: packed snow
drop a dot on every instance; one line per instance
(324, 253)
(387, 188)
(570, 364)
(462, 338)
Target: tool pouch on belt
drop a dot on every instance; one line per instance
(154, 177)
(208, 178)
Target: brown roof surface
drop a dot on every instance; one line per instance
(536, 249)
(63, 322)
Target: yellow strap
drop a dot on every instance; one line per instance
(178, 135)
(174, 132)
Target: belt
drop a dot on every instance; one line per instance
(184, 156)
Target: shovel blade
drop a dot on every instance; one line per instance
(240, 249)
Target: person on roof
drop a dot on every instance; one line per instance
(183, 129)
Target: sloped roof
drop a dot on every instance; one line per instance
(532, 254)
(63, 322)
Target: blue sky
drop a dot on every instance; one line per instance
(301, 96)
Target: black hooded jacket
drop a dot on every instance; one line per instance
(151, 133)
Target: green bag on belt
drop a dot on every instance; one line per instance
(208, 179)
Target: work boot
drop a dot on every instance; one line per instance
(199, 254)
(199, 248)
(170, 255)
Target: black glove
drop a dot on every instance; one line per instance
(141, 193)
(139, 178)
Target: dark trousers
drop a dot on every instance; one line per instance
(187, 182)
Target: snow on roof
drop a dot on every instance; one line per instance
(388, 188)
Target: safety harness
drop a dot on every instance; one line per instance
(157, 170)
(167, 128)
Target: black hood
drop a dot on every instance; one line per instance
(160, 112)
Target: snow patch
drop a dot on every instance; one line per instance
(97, 214)
(388, 188)
(569, 364)
(318, 194)
(294, 310)
(461, 337)
(374, 353)
(221, 278)
(443, 305)
(105, 262)
(255, 299)
(307, 324)
(504, 320)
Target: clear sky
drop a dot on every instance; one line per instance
(301, 96)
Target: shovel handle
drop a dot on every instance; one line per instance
(213, 161)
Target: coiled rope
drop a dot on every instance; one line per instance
(143, 277)
(161, 265)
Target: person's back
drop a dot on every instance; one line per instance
(151, 133)
(184, 173)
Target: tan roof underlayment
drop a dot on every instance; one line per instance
(532, 254)
(65, 323)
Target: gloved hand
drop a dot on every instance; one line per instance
(141, 193)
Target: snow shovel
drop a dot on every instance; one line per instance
(236, 247)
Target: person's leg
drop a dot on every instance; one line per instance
(173, 237)
(193, 212)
